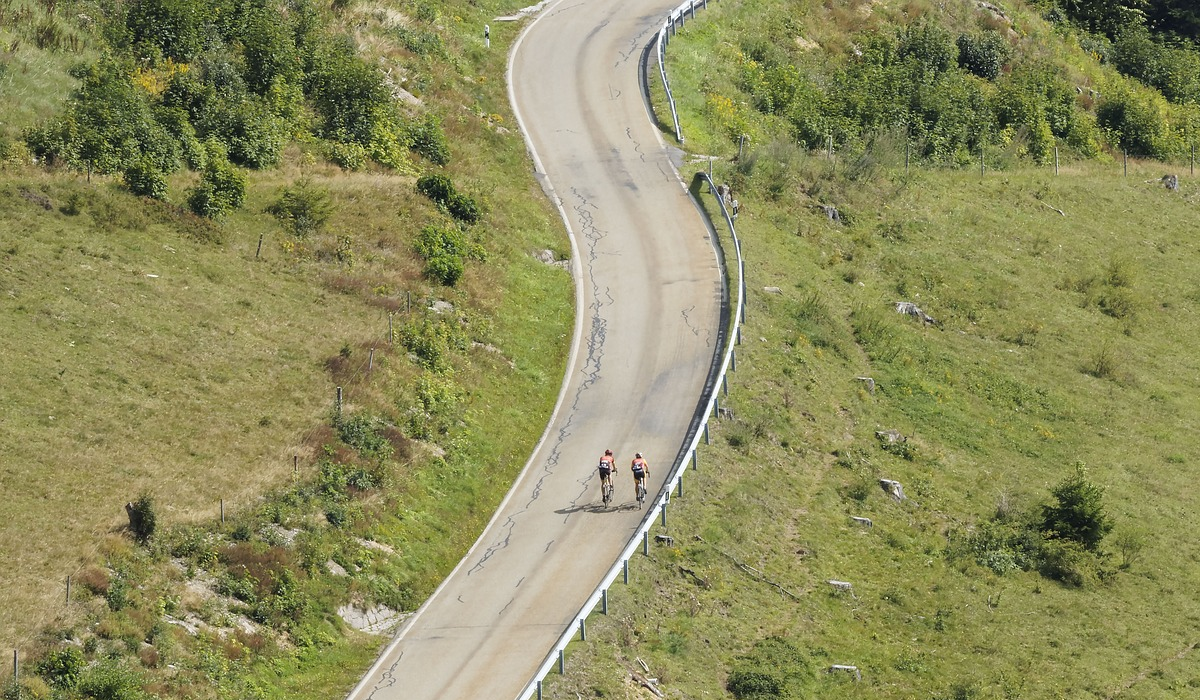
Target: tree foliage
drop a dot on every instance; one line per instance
(1077, 513)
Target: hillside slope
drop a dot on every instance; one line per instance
(1066, 309)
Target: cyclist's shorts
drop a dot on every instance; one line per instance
(639, 474)
(604, 472)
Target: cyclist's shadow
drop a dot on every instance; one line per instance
(598, 508)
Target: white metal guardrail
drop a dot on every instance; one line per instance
(675, 480)
(670, 25)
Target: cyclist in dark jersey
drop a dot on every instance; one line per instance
(607, 463)
(641, 470)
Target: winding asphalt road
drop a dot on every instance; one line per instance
(648, 298)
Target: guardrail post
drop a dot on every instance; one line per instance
(664, 515)
(539, 686)
(604, 602)
(706, 442)
(692, 7)
(695, 460)
(733, 360)
(625, 566)
(562, 663)
(739, 335)
(680, 484)
(716, 406)
(582, 630)
(645, 552)
(725, 386)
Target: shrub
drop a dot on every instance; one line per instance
(1078, 513)
(365, 434)
(1137, 121)
(62, 667)
(773, 668)
(983, 54)
(428, 140)
(109, 680)
(303, 208)
(444, 249)
(145, 180)
(347, 155)
(436, 187)
(929, 46)
(464, 208)
(222, 186)
(142, 518)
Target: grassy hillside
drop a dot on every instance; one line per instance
(1067, 312)
(149, 351)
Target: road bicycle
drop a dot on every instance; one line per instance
(606, 492)
(641, 493)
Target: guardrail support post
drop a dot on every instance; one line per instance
(604, 602)
(680, 484)
(725, 386)
(692, 7)
(733, 361)
(562, 663)
(706, 442)
(539, 686)
(695, 460)
(739, 334)
(582, 630)
(625, 566)
(645, 551)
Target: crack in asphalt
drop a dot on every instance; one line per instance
(635, 45)
(601, 298)
(637, 145)
(510, 602)
(520, 582)
(687, 320)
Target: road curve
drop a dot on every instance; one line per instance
(648, 297)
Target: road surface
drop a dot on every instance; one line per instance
(649, 295)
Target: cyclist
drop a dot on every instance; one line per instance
(607, 462)
(641, 470)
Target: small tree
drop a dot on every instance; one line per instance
(142, 518)
(303, 208)
(1078, 512)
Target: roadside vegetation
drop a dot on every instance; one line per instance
(1040, 425)
(268, 278)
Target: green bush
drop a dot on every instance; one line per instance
(222, 186)
(143, 520)
(1136, 119)
(444, 249)
(303, 208)
(983, 54)
(464, 208)
(775, 668)
(428, 140)
(365, 434)
(347, 155)
(109, 680)
(929, 46)
(62, 668)
(436, 187)
(145, 180)
(1078, 513)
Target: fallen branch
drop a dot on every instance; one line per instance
(753, 572)
(703, 583)
(1060, 211)
(645, 683)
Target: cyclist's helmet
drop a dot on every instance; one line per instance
(608, 453)
(639, 455)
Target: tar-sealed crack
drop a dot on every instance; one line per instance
(635, 46)
(592, 235)
(637, 145)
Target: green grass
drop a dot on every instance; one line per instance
(148, 351)
(1064, 338)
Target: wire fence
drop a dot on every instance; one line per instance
(225, 508)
